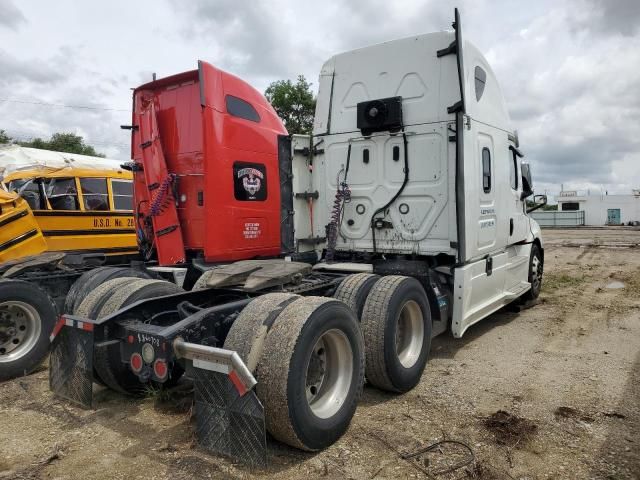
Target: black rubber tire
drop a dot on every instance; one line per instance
(28, 293)
(106, 361)
(90, 280)
(249, 331)
(72, 295)
(116, 300)
(93, 302)
(354, 289)
(534, 292)
(379, 320)
(282, 370)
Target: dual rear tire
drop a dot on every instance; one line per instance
(396, 323)
(308, 353)
(107, 298)
(308, 356)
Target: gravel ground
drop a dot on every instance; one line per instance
(550, 392)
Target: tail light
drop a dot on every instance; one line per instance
(136, 362)
(160, 368)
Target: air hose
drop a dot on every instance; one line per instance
(343, 195)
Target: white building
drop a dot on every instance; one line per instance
(602, 209)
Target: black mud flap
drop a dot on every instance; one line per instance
(226, 422)
(71, 366)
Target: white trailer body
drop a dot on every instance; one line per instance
(461, 201)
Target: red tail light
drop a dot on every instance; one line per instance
(160, 368)
(136, 362)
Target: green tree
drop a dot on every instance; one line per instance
(63, 142)
(294, 103)
(4, 138)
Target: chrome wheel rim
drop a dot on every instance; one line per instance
(409, 334)
(20, 328)
(536, 273)
(329, 373)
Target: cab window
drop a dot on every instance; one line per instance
(241, 108)
(122, 194)
(486, 170)
(95, 193)
(62, 193)
(513, 171)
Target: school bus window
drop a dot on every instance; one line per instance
(29, 189)
(62, 193)
(122, 194)
(94, 193)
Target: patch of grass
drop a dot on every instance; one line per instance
(555, 281)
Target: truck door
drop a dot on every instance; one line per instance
(487, 219)
(518, 221)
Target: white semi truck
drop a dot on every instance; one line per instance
(417, 132)
(409, 204)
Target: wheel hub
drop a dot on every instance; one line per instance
(329, 373)
(409, 334)
(316, 370)
(19, 329)
(536, 273)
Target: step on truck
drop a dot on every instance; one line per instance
(403, 216)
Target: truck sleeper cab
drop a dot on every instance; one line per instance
(205, 163)
(417, 132)
(413, 197)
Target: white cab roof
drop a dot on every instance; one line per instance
(410, 68)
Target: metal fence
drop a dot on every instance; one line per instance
(552, 218)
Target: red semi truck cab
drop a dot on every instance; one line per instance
(205, 149)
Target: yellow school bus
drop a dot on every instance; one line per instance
(80, 209)
(83, 206)
(20, 233)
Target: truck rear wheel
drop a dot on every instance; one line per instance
(107, 363)
(396, 323)
(311, 373)
(27, 318)
(89, 281)
(249, 331)
(354, 289)
(95, 299)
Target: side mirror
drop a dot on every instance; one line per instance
(538, 202)
(527, 182)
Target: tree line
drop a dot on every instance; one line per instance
(59, 142)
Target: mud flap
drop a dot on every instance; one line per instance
(227, 422)
(71, 366)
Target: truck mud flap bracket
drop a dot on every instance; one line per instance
(71, 362)
(229, 416)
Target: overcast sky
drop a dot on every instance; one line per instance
(570, 70)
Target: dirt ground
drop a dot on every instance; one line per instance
(550, 392)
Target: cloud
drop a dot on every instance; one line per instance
(36, 71)
(10, 16)
(567, 69)
(614, 16)
(244, 35)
